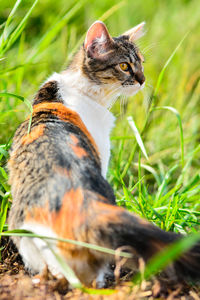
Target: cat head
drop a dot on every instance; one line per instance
(115, 64)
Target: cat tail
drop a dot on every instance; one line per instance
(114, 227)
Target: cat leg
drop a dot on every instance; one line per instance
(36, 252)
(31, 256)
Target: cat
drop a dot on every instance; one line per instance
(58, 169)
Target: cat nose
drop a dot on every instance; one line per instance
(139, 76)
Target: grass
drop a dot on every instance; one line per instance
(155, 163)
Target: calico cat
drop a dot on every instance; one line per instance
(58, 169)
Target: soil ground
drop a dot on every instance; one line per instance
(16, 284)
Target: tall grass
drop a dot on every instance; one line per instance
(161, 183)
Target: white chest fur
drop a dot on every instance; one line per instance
(98, 120)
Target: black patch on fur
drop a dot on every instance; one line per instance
(48, 93)
(130, 231)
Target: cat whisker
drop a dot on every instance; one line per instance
(123, 101)
(149, 47)
(116, 92)
(121, 104)
(147, 93)
(149, 86)
(113, 95)
(112, 103)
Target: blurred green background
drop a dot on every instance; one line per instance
(54, 31)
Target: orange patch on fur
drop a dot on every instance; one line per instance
(106, 212)
(65, 222)
(74, 139)
(33, 135)
(79, 151)
(65, 114)
(62, 171)
(69, 218)
(111, 213)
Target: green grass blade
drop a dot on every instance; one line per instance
(66, 270)
(160, 77)
(78, 243)
(2, 25)
(139, 179)
(11, 15)
(73, 279)
(54, 30)
(162, 186)
(112, 10)
(3, 211)
(163, 258)
(137, 135)
(16, 33)
(91, 291)
(5, 33)
(170, 193)
(151, 170)
(128, 191)
(4, 174)
(28, 104)
(172, 109)
(130, 159)
(3, 151)
(195, 180)
(139, 143)
(15, 68)
(5, 94)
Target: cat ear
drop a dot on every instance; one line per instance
(98, 40)
(136, 32)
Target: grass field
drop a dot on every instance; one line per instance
(40, 37)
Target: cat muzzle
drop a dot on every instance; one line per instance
(139, 77)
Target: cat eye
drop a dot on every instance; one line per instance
(124, 67)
